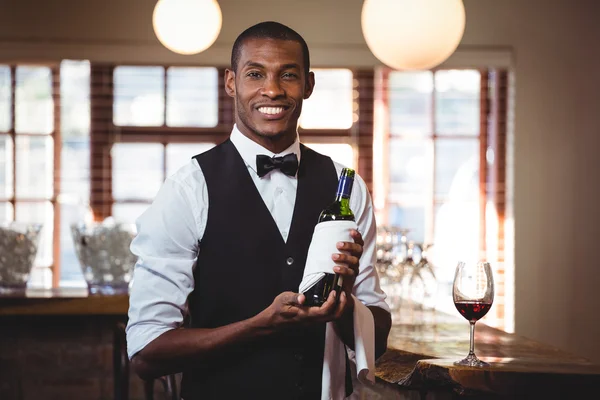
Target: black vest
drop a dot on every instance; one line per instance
(243, 264)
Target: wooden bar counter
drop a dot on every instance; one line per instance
(62, 301)
(48, 339)
(424, 345)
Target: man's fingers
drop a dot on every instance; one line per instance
(292, 298)
(326, 309)
(341, 305)
(346, 259)
(354, 234)
(330, 300)
(352, 248)
(346, 270)
(301, 299)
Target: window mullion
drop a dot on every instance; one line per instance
(57, 145)
(102, 132)
(13, 135)
(165, 160)
(164, 143)
(381, 143)
(496, 189)
(430, 211)
(363, 128)
(483, 169)
(165, 69)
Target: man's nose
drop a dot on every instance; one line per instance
(272, 88)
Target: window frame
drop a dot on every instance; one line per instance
(492, 136)
(55, 136)
(386, 134)
(371, 116)
(104, 133)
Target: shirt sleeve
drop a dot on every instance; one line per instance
(167, 249)
(366, 287)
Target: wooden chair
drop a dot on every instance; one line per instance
(121, 373)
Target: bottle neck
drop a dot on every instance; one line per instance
(344, 189)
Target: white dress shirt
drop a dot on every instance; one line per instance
(170, 230)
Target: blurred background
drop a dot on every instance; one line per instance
(492, 154)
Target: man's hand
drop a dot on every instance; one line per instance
(288, 310)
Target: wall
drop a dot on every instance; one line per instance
(60, 357)
(554, 51)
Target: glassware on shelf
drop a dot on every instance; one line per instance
(421, 280)
(103, 252)
(19, 244)
(405, 270)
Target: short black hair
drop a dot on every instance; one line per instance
(269, 30)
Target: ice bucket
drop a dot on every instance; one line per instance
(19, 244)
(103, 252)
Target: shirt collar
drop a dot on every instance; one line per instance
(249, 149)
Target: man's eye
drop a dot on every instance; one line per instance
(253, 75)
(290, 75)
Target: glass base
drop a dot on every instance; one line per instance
(108, 289)
(472, 361)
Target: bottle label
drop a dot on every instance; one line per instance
(345, 187)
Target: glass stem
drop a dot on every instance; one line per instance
(472, 339)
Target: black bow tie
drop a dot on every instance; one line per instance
(288, 164)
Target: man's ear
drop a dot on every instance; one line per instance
(310, 85)
(230, 82)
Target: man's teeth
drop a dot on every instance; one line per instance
(270, 110)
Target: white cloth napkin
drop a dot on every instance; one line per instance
(322, 247)
(318, 262)
(333, 383)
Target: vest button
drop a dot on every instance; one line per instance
(289, 261)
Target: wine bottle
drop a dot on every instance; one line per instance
(339, 210)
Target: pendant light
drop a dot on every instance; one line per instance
(187, 26)
(412, 34)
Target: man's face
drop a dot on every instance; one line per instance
(269, 87)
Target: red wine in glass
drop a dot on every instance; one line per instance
(472, 310)
(473, 295)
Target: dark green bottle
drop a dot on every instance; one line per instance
(339, 210)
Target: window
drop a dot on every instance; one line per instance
(437, 161)
(162, 116)
(27, 147)
(133, 193)
(331, 105)
(192, 97)
(339, 152)
(74, 162)
(139, 96)
(433, 156)
(32, 159)
(157, 96)
(329, 114)
(436, 174)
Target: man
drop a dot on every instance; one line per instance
(224, 244)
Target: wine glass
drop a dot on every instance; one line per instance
(473, 294)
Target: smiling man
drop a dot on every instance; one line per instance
(223, 247)
(269, 79)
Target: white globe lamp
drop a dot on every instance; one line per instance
(412, 34)
(187, 26)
